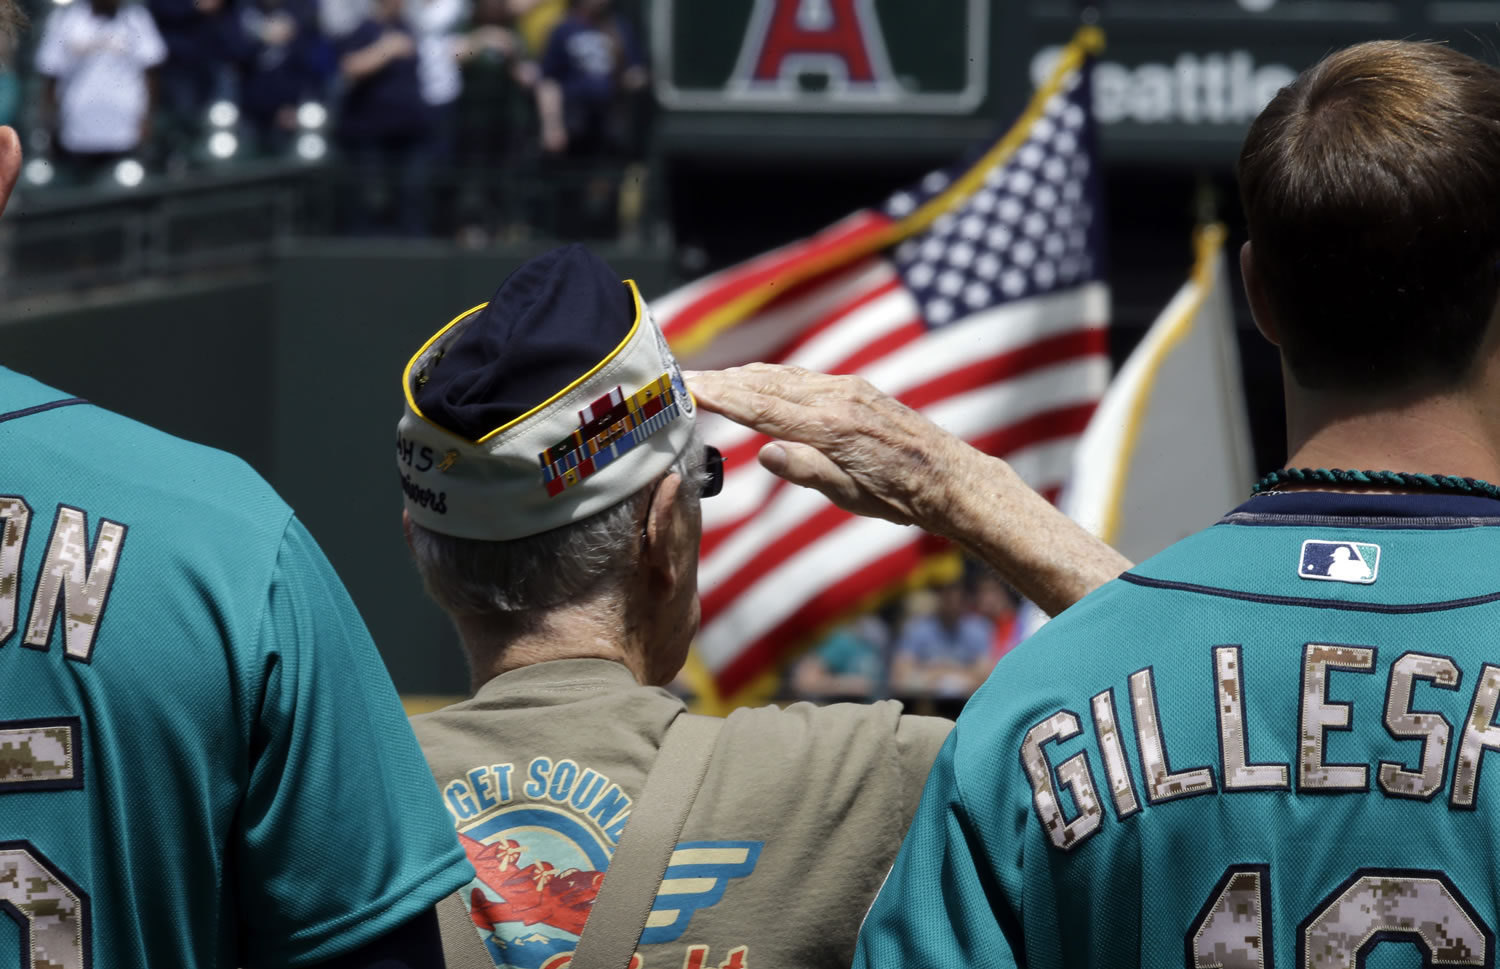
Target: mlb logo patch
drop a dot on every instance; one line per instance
(1339, 561)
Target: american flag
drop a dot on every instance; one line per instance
(976, 296)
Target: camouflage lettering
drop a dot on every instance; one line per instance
(38, 755)
(1073, 772)
(1319, 716)
(1230, 932)
(56, 912)
(1480, 734)
(1161, 783)
(1409, 906)
(1431, 728)
(16, 515)
(1233, 746)
(1116, 771)
(81, 580)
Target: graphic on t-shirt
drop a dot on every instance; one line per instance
(540, 848)
(1339, 561)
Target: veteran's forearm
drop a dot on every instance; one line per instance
(980, 502)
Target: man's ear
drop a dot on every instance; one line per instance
(1260, 306)
(406, 529)
(661, 527)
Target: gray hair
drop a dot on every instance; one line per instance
(512, 585)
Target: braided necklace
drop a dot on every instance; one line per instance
(1377, 479)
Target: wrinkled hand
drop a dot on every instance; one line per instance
(867, 452)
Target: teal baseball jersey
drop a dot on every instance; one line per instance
(1265, 747)
(202, 759)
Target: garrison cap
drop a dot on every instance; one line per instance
(552, 402)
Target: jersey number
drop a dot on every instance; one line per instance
(50, 911)
(1374, 905)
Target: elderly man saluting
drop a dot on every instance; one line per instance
(552, 474)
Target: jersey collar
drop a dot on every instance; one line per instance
(1327, 504)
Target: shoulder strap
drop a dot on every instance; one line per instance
(462, 948)
(640, 860)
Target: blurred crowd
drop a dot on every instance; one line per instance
(931, 649)
(429, 107)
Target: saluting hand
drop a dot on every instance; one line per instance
(872, 455)
(867, 452)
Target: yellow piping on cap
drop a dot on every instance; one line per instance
(411, 401)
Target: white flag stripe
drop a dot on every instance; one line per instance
(1003, 404)
(665, 308)
(843, 551)
(857, 329)
(757, 338)
(995, 406)
(989, 334)
(1003, 329)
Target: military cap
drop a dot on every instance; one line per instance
(554, 401)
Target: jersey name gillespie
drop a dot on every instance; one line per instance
(1314, 774)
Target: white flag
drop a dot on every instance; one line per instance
(1168, 451)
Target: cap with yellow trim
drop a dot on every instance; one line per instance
(552, 402)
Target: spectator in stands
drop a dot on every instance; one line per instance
(493, 112)
(385, 126)
(589, 103)
(593, 59)
(283, 61)
(849, 664)
(196, 34)
(945, 653)
(97, 58)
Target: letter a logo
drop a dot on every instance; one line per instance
(838, 39)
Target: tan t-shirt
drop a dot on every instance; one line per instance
(798, 820)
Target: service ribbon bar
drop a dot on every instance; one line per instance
(608, 428)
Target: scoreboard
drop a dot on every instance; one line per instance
(1177, 85)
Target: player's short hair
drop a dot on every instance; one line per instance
(512, 585)
(1370, 186)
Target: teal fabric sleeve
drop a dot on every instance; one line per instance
(341, 836)
(938, 905)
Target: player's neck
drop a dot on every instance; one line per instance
(1455, 432)
(585, 631)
